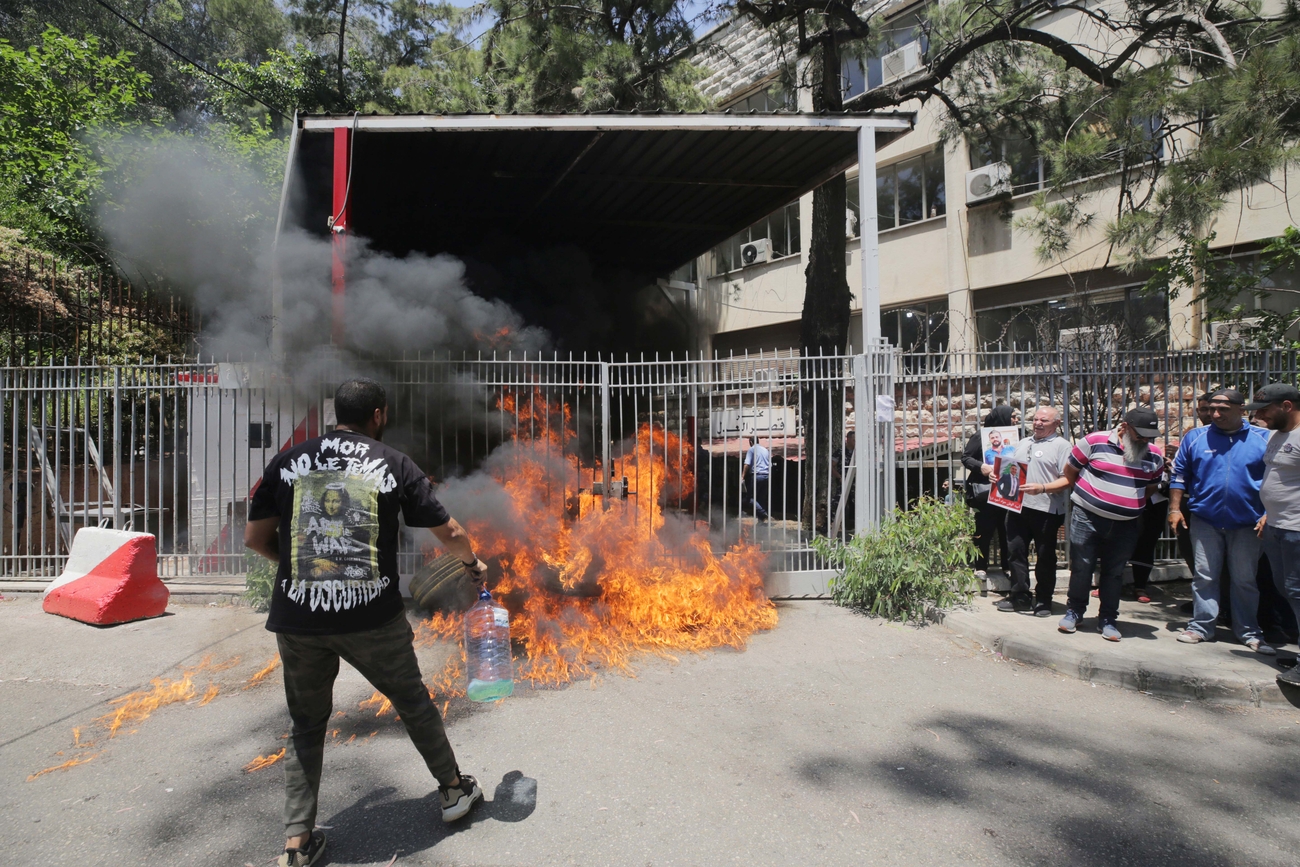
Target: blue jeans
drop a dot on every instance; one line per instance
(1092, 539)
(1283, 550)
(1211, 546)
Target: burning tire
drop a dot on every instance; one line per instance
(443, 584)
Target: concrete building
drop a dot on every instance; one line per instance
(956, 274)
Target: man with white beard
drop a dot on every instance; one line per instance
(1111, 472)
(1219, 469)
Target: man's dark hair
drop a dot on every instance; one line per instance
(1205, 398)
(357, 399)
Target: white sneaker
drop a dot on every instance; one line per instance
(456, 800)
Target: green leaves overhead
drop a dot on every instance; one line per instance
(59, 99)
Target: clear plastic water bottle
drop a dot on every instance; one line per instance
(487, 650)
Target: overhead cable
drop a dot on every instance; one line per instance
(228, 83)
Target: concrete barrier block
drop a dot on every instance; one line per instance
(111, 577)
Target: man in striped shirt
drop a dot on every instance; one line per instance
(1111, 472)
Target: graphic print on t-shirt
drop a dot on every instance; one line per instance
(334, 526)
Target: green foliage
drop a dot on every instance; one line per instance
(259, 583)
(918, 559)
(58, 100)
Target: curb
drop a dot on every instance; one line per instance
(1170, 682)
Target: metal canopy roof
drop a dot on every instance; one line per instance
(638, 193)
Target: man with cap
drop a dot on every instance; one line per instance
(1278, 406)
(1219, 469)
(1112, 472)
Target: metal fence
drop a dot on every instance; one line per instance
(176, 449)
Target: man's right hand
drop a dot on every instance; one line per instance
(1176, 519)
(478, 569)
(988, 470)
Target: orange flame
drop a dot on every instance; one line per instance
(379, 701)
(261, 762)
(70, 763)
(604, 581)
(265, 670)
(208, 696)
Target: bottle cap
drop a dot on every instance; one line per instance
(484, 594)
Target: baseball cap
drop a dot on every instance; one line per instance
(1231, 395)
(1144, 423)
(1275, 393)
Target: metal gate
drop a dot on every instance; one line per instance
(176, 449)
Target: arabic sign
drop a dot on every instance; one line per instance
(748, 421)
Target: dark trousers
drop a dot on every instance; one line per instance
(755, 501)
(1040, 528)
(989, 521)
(1154, 520)
(1097, 541)
(385, 656)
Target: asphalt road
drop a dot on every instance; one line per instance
(834, 739)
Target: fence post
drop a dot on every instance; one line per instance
(117, 448)
(606, 476)
(864, 506)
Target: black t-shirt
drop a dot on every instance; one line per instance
(337, 498)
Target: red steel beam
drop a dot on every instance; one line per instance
(339, 230)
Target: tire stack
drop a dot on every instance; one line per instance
(444, 584)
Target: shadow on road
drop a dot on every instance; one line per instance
(1040, 793)
(374, 828)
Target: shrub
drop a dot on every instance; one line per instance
(918, 558)
(259, 582)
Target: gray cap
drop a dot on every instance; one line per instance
(1275, 393)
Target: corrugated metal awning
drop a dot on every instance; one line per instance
(637, 193)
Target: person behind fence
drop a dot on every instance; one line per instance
(988, 518)
(1041, 515)
(754, 475)
(1155, 517)
(1278, 405)
(1218, 470)
(326, 511)
(1112, 473)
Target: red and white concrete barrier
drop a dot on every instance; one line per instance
(111, 577)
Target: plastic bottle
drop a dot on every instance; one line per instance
(488, 665)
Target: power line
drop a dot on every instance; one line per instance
(129, 23)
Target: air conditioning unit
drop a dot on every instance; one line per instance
(901, 62)
(1095, 338)
(756, 252)
(988, 182)
(1233, 334)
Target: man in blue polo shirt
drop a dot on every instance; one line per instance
(1219, 469)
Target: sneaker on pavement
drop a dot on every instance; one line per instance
(1042, 609)
(1261, 648)
(1012, 603)
(1070, 622)
(1291, 676)
(1110, 631)
(305, 856)
(1190, 636)
(457, 799)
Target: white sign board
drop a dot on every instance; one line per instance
(748, 421)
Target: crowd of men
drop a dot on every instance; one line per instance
(1228, 490)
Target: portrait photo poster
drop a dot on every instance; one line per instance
(999, 441)
(1009, 486)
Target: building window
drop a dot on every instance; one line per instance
(780, 227)
(918, 327)
(859, 76)
(1029, 169)
(771, 98)
(1107, 320)
(906, 192)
